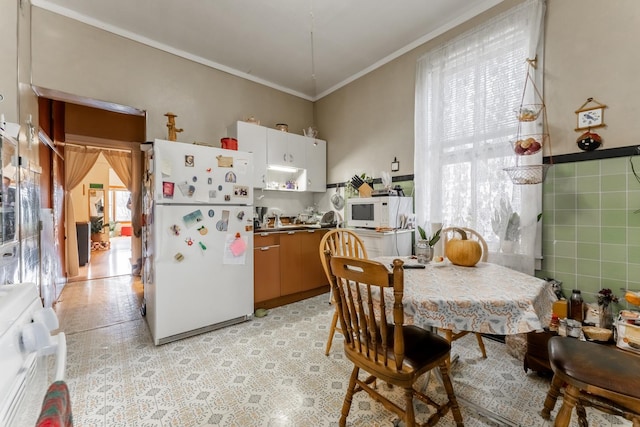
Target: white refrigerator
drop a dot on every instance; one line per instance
(197, 239)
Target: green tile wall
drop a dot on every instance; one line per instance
(590, 233)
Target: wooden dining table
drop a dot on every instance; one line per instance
(486, 298)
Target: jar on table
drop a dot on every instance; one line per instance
(424, 252)
(576, 306)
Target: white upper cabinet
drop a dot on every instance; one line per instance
(286, 149)
(252, 138)
(316, 154)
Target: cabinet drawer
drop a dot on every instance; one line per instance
(266, 239)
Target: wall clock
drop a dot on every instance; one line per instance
(590, 117)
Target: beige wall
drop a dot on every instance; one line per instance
(78, 59)
(590, 52)
(370, 121)
(8, 64)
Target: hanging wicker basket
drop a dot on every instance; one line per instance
(526, 145)
(529, 112)
(527, 174)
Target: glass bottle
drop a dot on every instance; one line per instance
(576, 309)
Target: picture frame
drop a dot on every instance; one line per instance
(590, 115)
(590, 118)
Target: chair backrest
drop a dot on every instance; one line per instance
(363, 311)
(449, 232)
(341, 242)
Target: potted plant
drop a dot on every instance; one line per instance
(424, 245)
(97, 227)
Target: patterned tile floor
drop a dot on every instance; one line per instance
(270, 371)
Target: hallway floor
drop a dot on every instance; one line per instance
(270, 371)
(115, 261)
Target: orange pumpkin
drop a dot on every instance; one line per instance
(463, 251)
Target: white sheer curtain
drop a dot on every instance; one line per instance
(466, 94)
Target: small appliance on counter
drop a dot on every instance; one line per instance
(378, 212)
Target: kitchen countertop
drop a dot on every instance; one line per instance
(290, 227)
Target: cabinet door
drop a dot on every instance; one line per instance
(316, 154)
(314, 276)
(277, 153)
(253, 138)
(296, 150)
(266, 273)
(291, 266)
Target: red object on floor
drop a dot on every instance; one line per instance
(125, 230)
(56, 407)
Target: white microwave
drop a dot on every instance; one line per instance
(374, 212)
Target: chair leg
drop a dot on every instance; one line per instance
(570, 400)
(582, 415)
(481, 345)
(448, 386)
(409, 414)
(332, 332)
(448, 334)
(552, 397)
(348, 398)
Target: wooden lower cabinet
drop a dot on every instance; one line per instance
(266, 268)
(297, 269)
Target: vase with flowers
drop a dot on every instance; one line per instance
(605, 298)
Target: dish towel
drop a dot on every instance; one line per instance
(56, 407)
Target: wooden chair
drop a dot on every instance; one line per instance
(393, 352)
(343, 243)
(592, 374)
(447, 234)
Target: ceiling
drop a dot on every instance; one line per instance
(305, 48)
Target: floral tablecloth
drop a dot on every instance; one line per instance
(487, 298)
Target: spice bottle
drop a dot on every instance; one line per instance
(555, 323)
(576, 309)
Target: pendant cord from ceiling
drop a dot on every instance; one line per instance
(311, 31)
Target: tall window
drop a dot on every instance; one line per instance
(119, 201)
(466, 94)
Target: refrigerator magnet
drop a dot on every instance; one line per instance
(179, 257)
(227, 198)
(212, 194)
(175, 229)
(230, 177)
(189, 241)
(219, 187)
(221, 225)
(208, 170)
(240, 215)
(203, 230)
(225, 161)
(186, 189)
(209, 180)
(167, 189)
(211, 213)
(193, 218)
(241, 190)
(202, 246)
(189, 161)
(194, 179)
